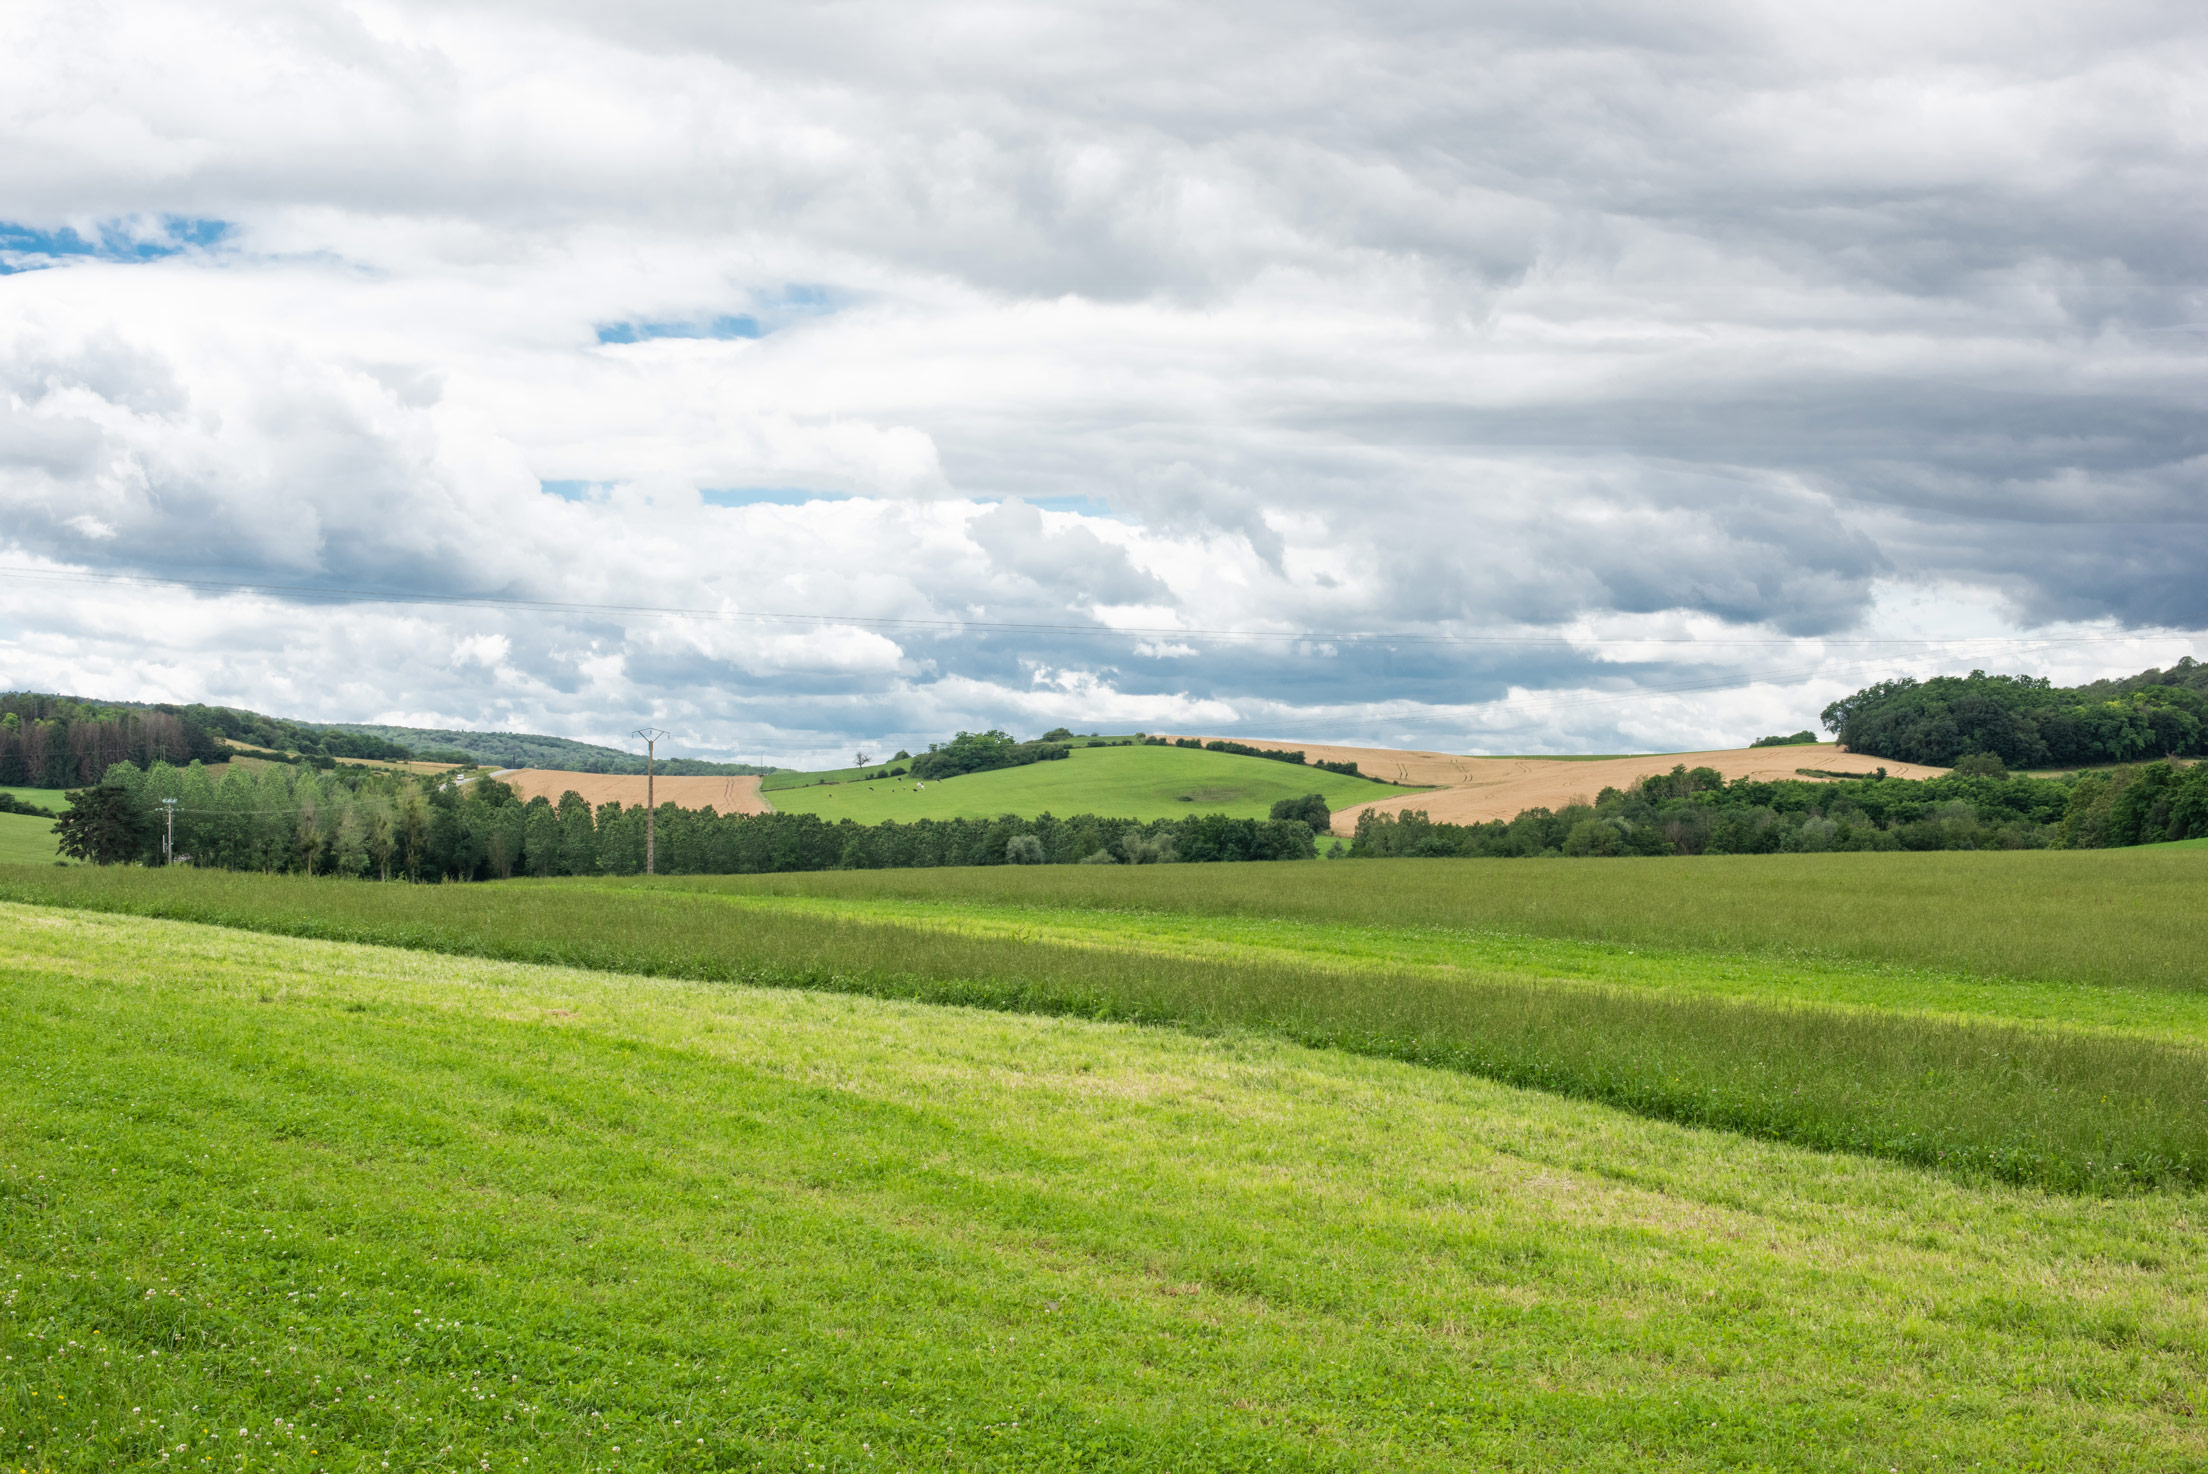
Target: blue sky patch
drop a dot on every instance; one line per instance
(716, 496)
(29, 247)
(570, 491)
(772, 309)
(771, 496)
(727, 325)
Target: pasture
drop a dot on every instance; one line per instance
(56, 799)
(275, 1203)
(2082, 1070)
(1117, 782)
(26, 839)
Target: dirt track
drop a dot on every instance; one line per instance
(723, 795)
(1471, 790)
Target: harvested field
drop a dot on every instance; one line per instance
(723, 795)
(1472, 790)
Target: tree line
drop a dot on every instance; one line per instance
(2026, 721)
(392, 826)
(60, 741)
(1697, 812)
(1273, 754)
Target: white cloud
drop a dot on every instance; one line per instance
(1742, 324)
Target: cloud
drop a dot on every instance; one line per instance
(1757, 323)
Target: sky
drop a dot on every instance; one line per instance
(806, 378)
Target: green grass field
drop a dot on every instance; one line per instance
(2130, 918)
(2050, 1075)
(56, 799)
(1118, 782)
(296, 1205)
(27, 840)
(2180, 1015)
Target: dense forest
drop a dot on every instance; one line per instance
(357, 822)
(1696, 812)
(2028, 722)
(62, 741)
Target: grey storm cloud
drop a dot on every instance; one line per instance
(1777, 320)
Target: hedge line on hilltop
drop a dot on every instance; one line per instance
(2027, 721)
(1696, 812)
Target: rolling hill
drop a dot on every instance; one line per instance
(26, 839)
(301, 1204)
(1119, 782)
(1470, 790)
(1144, 782)
(535, 750)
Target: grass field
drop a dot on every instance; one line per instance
(27, 840)
(2120, 918)
(283, 1204)
(812, 777)
(56, 799)
(1118, 782)
(2180, 1015)
(2103, 1087)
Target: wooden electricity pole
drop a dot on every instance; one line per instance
(652, 738)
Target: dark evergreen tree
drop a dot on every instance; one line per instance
(105, 825)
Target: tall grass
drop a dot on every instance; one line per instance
(2073, 1112)
(2136, 918)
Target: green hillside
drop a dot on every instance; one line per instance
(535, 750)
(1121, 782)
(56, 799)
(303, 1205)
(27, 840)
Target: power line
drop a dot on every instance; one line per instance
(314, 592)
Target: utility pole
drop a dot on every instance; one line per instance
(652, 738)
(168, 840)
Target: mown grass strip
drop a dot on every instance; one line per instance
(2119, 918)
(2166, 1013)
(2071, 1112)
(288, 1205)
